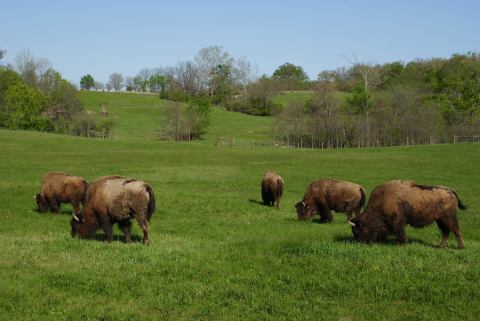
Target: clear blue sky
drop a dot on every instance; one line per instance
(101, 37)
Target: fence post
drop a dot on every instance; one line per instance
(454, 138)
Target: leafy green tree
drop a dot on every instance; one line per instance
(23, 107)
(289, 71)
(457, 88)
(87, 82)
(222, 77)
(157, 83)
(198, 116)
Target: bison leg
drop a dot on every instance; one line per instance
(76, 206)
(357, 211)
(456, 230)
(265, 199)
(145, 233)
(326, 215)
(399, 231)
(53, 204)
(349, 214)
(445, 232)
(125, 226)
(143, 222)
(107, 228)
(277, 204)
(446, 225)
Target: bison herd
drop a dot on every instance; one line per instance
(392, 205)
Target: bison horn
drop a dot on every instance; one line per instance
(75, 217)
(303, 204)
(351, 223)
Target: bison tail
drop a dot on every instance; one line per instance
(363, 197)
(461, 205)
(151, 203)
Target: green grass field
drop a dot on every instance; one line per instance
(216, 254)
(137, 116)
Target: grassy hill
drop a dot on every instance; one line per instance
(217, 254)
(136, 116)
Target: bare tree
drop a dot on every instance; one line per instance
(142, 78)
(129, 83)
(188, 78)
(207, 60)
(244, 74)
(98, 85)
(116, 81)
(30, 68)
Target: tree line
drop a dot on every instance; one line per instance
(35, 96)
(420, 102)
(214, 74)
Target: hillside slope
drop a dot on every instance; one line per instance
(137, 117)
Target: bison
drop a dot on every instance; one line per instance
(272, 189)
(396, 203)
(115, 199)
(60, 188)
(331, 194)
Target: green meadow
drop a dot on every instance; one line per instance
(215, 252)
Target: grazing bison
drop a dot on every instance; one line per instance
(60, 188)
(272, 189)
(396, 203)
(330, 194)
(115, 199)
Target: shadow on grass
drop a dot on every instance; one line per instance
(61, 212)
(100, 237)
(315, 220)
(387, 242)
(257, 202)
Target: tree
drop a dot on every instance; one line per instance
(245, 75)
(207, 59)
(187, 76)
(87, 82)
(23, 107)
(142, 79)
(98, 85)
(26, 66)
(223, 78)
(289, 71)
(116, 81)
(2, 53)
(157, 83)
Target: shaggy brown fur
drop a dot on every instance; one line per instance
(60, 188)
(272, 189)
(330, 194)
(396, 203)
(114, 199)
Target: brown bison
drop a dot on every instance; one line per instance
(330, 194)
(115, 199)
(272, 189)
(60, 188)
(396, 203)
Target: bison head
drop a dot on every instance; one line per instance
(367, 231)
(83, 228)
(304, 211)
(42, 204)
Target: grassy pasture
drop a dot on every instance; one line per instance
(216, 254)
(137, 115)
